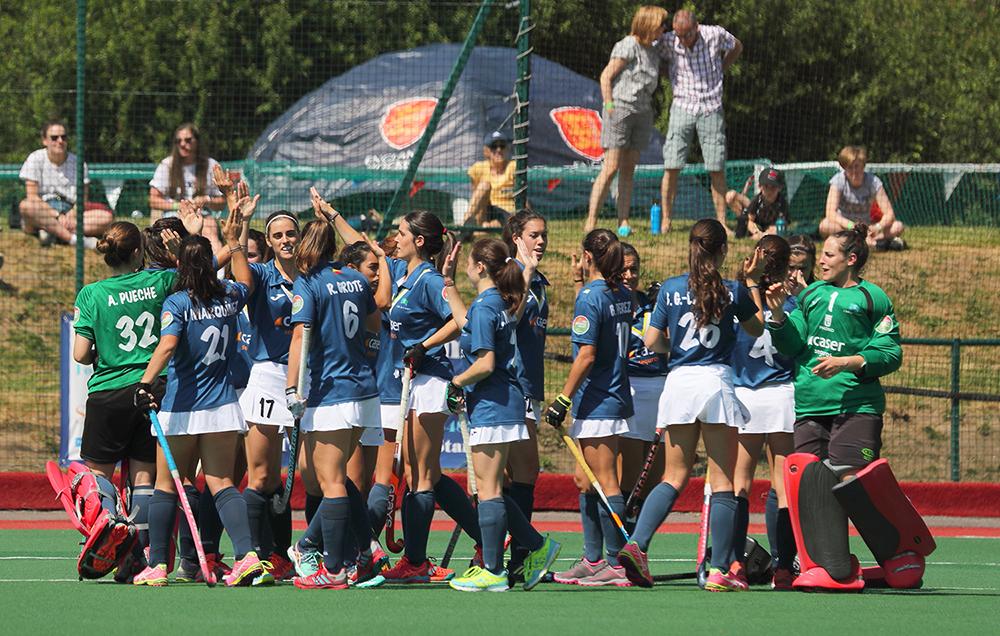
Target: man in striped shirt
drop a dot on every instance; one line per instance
(696, 58)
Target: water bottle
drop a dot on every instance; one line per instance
(779, 225)
(654, 217)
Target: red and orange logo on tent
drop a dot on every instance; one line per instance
(580, 128)
(404, 121)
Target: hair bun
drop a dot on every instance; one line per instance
(103, 245)
(861, 229)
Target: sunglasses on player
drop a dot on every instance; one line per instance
(58, 137)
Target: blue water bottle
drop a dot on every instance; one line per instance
(779, 225)
(654, 217)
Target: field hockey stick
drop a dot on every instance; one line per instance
(597, 487)
(706, 510)
(463, 426)
(182, 496)
(632, 505)
(280, 502)
(396, 490)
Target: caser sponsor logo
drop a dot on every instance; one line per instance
(825, 343)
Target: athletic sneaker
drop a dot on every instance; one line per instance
(152, 576)
(718, 581)
(246, 569)
(624, 230)
(188, 572)
(738, 574)
(580, 569)
(322, 580)
(782, 580)
(606, 575)
(263, 579)
(380, 559)
(636, 564)
(363, 575)
(537, 563)
(477, 579)
(440, 574)
(305, 563)
(406, 572)
(45, 238)
(281, 568)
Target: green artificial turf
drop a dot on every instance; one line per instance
(41, 595)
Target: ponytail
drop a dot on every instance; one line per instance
(196, 271)
(119, 243)
(776, 253)
(502, 269)
(316, 247)
(706, 242)
(855, 241)
(608, 254)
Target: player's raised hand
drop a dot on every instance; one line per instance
(753, 266)
(775, 297)
(576, 268)
(247, 205)
(451, 264)
(233, 224)
(323, 210)
(527, 257)
(375, 247)
(222, 179)
(171, 241)
(191, 217)
(796, 282)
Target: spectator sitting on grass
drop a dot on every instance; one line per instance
(849, 201)
(49, 209)
(759, 216)
(492, 183)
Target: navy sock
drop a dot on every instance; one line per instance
(259, 519)
(361, 527)
(493, 521)
(771, 522)
(280, 524)
(336, 514)
(786, 540)
(722, 522)
(520, 528)
(233, 512)
(523, 494)
(312, 539)
(614, 541)
(110, 498)
(654, 510)
(593, 536)
(741, 524)
(140, 512)
(185, 538)
(312, 505)
(378, 506)
(455, 502)
(209, 523)
(162, 514)
(417, 516)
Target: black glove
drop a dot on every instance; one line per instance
(456, 398)
(556, 413)
(414, 355)
(143, 397)
(652, 292)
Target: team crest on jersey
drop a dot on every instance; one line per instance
(827, 319)
(165, 319)
(76, 315)
(884, 326)
(297, 303)
(581, 325)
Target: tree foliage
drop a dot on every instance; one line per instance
(915, 80)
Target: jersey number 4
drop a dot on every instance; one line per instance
(127, 330)
(762, 348)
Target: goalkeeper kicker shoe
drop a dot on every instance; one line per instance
(477, 579)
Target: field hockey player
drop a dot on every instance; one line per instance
(602, 403)
(693, 323)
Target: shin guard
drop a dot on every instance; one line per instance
(820, 526)
(891, 528)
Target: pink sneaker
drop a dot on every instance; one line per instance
(582, 568)
(738, 574)
(246, 569)
(152, 576)
(722, 582)
(636, 564)
(322, 580)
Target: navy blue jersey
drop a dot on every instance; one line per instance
(270, 309)
(689, 345)
(531, 338)
(419, 309)
(388, 369)
(198, 376)
(602, 318)
(336, 301)
(239, 370)
(643, 361)
(756, 361)
(496, 399)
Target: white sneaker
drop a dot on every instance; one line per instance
(44, 238)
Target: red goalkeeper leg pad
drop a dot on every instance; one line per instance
(891, 528)
(820, 527)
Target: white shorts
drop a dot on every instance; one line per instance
(502, 434)
(390, 416)
(533, 410)
(371, 436)
(429, 394)
(338, 417)
(772, 408)
(585, 429)
(263, 400)
(646, 392)
(221, 419)
(701, 393)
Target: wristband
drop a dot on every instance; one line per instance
(562, 399)
(174, 205)
(850, 225)
(749, 287)
(609, 105)
(577, 280)
(234, 249)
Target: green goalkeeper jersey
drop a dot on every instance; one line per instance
(840, 321)
(121, 316)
